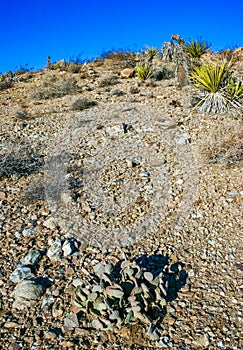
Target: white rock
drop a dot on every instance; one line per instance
(20, 273)
(31, 258)
(54, 253)
(50, 223)
(68, 247)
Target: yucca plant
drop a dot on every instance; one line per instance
(235, 89)
(197, 48)
(151, 52)
(214, 80)
(211, 77)
(143, 71)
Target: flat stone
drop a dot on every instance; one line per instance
(31, 258)
(20, 273)
(71, 321)
(27, 293)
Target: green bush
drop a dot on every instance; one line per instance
(117, 299)
(221, 91)
(197, 48)
(143, 71)
(151, 52)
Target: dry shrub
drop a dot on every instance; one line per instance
(222, 143)
(108, 80)
(55, 86)
(82, 103)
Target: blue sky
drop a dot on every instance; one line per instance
(32, 30)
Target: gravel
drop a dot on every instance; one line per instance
(123, 177)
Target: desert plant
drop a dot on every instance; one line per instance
(211, 77)
(54, 86)
(120, 297)
(143, 71)
(222, 143)
(214, 80)
(83, 103)
(121, 58)
(6, 81)
(109, 80)
(197, 48)
(151, 52)
(235, 88)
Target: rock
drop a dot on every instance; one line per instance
(127, 73)
(71, 320)
(183, 139)
(20, 273)
(115, 130)
(54, 253)
(68, 247)
(50, 223)
(31, 258)
(2, 196)
(27, 293)
(201, 341)
(28, 232)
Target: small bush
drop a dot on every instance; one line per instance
(114, 302)
(197, 48)
(222, 143)
(235, 88)
(54, 86)
(143, 71)
(82, 103)
(109, 80)
(165, 73)
(121, 58)
(118, 93)
(6, 81)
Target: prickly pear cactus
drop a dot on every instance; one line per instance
(120, 297)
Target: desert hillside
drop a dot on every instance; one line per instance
(121, 204)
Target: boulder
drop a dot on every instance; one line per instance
(127, 73)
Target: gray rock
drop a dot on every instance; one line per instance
(31, 258)
(27, 293)
(202, 341)
(68, 247)
(54, 253)
(28, 232)
(115, 130)
(71, 320)
(20, 273)
(50, 223)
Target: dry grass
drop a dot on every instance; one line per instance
(222, 143)
(54, 86)
(82, 103)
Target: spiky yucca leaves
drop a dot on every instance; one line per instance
(214, 80)
(235, 88)
(197, 48)
(152, 52)
(143, 71)
(210, 77)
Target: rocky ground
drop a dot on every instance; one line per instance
(94, 166)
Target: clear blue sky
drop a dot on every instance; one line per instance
(31, 30)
